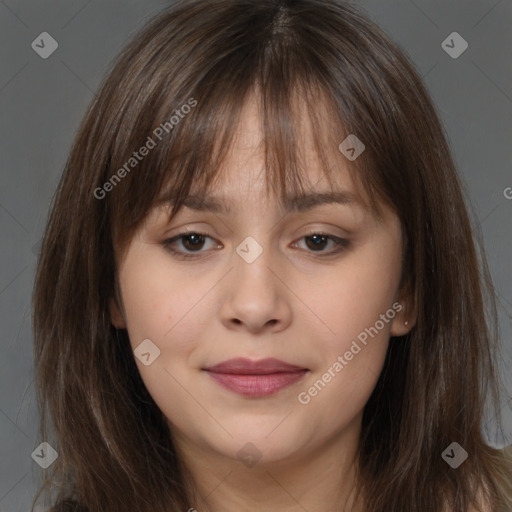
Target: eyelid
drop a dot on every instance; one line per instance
(342, 244)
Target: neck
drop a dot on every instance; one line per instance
(316, 478)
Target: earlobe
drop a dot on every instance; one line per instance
(400, 326)
(405, 318)
(116, 317)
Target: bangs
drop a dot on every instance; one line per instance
(299, 105)
(299, 131)
(191, 159)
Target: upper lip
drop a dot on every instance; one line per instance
(242, 366)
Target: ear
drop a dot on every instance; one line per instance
(405, 317)
(116, 317)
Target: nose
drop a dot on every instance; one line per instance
(255, 297)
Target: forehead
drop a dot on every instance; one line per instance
(254, 132)
(222, 204)
(245, 171)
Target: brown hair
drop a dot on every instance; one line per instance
(211, 55)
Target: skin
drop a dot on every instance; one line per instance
(291, 304)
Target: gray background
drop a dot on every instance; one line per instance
(43, 100)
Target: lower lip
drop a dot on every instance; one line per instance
(257, 385)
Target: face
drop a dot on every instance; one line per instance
(314, 287)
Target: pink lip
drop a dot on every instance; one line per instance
(255, 378)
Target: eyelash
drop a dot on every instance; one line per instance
(342, 245)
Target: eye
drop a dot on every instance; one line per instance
(317, 242)
(193, 242)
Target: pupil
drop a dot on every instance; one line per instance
(196, 239)
(318, 238)
(318, 241)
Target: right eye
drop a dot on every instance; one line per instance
(192, 241)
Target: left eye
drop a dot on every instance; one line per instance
(318, 241)
(193, 242)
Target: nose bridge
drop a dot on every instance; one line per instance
(255, 296)
(257, 224)
(258, 251)
(252, 258)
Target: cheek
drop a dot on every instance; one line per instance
(364, 289)
(154, 297)
(353, 353)
(148, 310)
(167, 310)
(168, 307)
(358, 311)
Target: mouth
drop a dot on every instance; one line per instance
(255, 378)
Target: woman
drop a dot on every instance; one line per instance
(258, 287)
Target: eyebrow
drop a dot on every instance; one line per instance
(298, 203)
